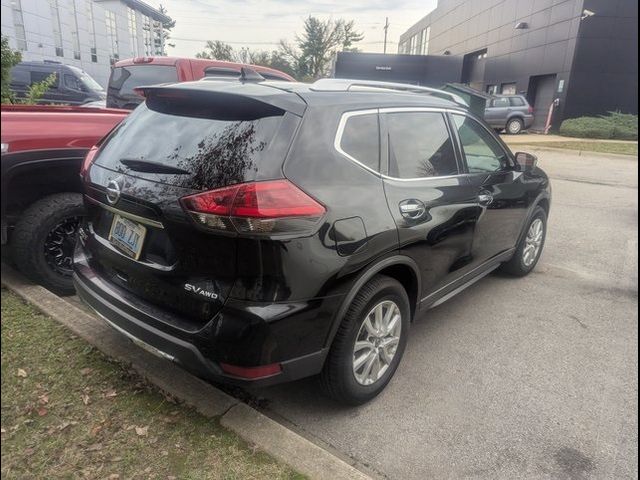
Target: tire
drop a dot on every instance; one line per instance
(46, 223)
(338, 378)
(514, 126)
(518, 266)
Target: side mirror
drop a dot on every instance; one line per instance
(526, 162)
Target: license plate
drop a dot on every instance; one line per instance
(127, 236)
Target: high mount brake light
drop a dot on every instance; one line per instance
(274, 206)
(88, 159)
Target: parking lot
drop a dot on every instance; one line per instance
(528, 378)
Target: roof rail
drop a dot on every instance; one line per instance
(345, 85)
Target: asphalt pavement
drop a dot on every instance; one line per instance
(514, 378)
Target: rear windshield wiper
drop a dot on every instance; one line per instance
(151, 167)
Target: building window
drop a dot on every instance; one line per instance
(18, 25)
(133, 32)
(148, 35)
(492, 89)
(419, 38)
(57, 29)
(508, 88)
(158, 42)
(91, 28)
(112, 36)
(426, 33)
(75, 37)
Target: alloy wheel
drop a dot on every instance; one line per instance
(377, 342)
(59, 246)
(533, 242)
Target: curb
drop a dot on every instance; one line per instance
(268, 435)
(580, 153)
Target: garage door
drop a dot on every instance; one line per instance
(541, 93)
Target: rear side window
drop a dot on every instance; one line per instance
(361, 140)
(420, 145)
(517, 101)
(501, 102)
(124, 79)
(211, 152)
(41, 76)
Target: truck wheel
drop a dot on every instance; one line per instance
(514, 126)
(43, 241)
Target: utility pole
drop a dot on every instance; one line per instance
(386, 28)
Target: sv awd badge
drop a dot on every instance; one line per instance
(200, 291)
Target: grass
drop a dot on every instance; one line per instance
(625, 148)
(68, 411)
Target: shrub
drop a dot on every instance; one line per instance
(615, 125)
(587, 127)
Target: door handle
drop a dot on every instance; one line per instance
(485, 199)
(412, 208)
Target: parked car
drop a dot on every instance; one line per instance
(128, 74)
(73, 86)
(260, 232)
(509, 112)
(42, 151)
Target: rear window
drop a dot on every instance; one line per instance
(124, 79)
(517, 101)
(212, 152)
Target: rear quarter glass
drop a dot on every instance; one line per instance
(214, 152)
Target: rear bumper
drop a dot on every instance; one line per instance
(231, 337)
(528, 121)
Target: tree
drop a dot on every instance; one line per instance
(318, 44)
(166, 28)
(217, 50)
(10, 58)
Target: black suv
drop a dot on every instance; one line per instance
(257, 232)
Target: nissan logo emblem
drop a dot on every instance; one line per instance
(113, 192)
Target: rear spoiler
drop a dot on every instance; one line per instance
(221, 100)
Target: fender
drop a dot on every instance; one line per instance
(545, 195)
(15, 163)
(366, 275)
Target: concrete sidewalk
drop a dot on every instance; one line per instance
(528, 138)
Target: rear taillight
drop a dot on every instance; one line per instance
(530, 109)
(270, 207)
(86, 163)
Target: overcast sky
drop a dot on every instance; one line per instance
(260, 24)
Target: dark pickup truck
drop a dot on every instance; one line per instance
(42, 151)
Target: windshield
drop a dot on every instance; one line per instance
(83, 81)
(90, 83)
(124, 79)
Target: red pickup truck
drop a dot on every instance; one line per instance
(42, 152)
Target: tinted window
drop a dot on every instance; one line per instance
(481, 150)
(72, 82)
(501, 102)
(124, 79)
(41, 76)
(517, 102)
(420, 145)
(361, 141)
(215, 152)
